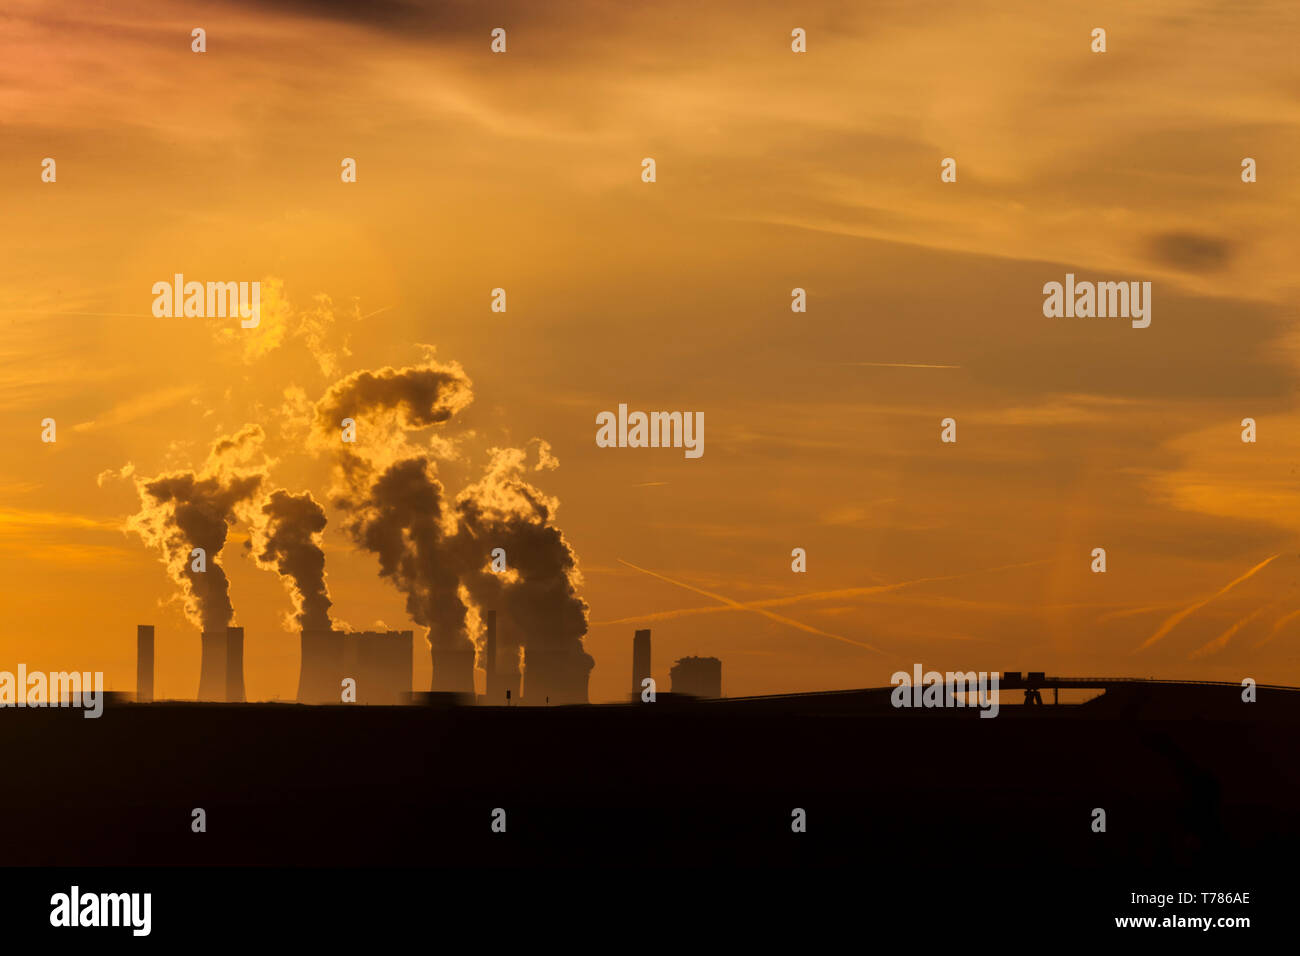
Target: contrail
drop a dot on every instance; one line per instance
(895, 365)
(1172, 621)
(1133, 611)
(799, 598)
(114, 315)
(1278, 627)
(1220, 642)
(737, 606)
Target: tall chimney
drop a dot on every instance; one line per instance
(212, 665)
(235, 664)
(144, 663)
(493, 685)
(640, 661)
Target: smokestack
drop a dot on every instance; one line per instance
(212, 665)
(235, 665)
(495, 692)
(640, 661)
(144, 663)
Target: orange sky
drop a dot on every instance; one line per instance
(775, 170)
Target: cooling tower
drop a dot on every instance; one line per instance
(380, 663)
(501, 677)
(212, 665)
(144, 663)
(399, 667)
(453, 669)
(640, 661)
(510, 677)
(235, 665)
(320, 675)
(359, 665)
(556, 677)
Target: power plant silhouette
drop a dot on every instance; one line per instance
(379, 666)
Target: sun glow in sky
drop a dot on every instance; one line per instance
(774, 171)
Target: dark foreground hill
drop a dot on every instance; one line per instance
(1188, 777)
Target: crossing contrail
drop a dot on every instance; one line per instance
(1172, 621)
(1277, 627)
(737, 606)
(864, 591)
(1220, 642)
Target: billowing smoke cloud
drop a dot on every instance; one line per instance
(184, 510)
(395, 505)
(422, 395)
(537, 600)
(385, 405)
(401, 520)
(437, 552)
(288, 539)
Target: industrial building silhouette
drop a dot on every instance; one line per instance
(697, 677)
(379, 662)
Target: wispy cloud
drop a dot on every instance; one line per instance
(16, 519)
(139, 407)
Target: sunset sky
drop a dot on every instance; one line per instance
(775, 170)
